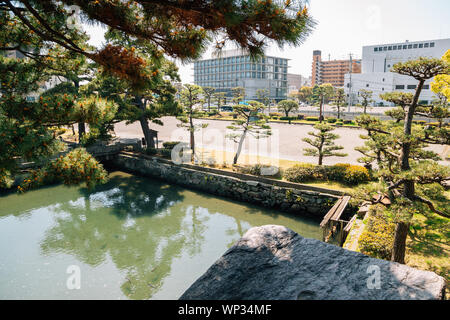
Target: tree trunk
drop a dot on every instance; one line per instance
(241, 142)
(401, 229)
(81, 125)
(398, 251)
(81, 130)
(320, 111)
(149, 134)
(192, 136)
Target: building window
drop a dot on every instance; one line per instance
(410, 46)
(390, 48)
(432, 45)
(426, 86)
(427, 45)
(411, 86)
(399, 87)
(421, 45)
(367, 85)
(405, 47)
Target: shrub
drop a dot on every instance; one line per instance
(355, 175)
(166, 153)
(331, 120)
(345, 173)
(378, 237)
(312, 118)
(256, 170)
(170, 144)
(301, 173)
(288, 119)
(348, 122)
(275, 114)
(150, 151)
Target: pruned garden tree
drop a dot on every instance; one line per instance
(208, 92)
(366, 99)
(406, 168)
(305, 95)
(220, 99)
(288, 106)
(263, 96)
(249, 122)
(190, 97)
(339, 101)
(320, 95)
(441, 83)
(175, 28)
(323, 144)
(238, 94)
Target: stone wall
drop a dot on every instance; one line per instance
(288, 197)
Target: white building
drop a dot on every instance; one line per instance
(379, 59)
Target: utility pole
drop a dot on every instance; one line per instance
(350, 84)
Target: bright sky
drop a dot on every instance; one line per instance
(344, 26)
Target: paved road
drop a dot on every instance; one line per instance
(285, 143)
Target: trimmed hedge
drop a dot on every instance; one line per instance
(256, 170)
(312, 118)
(331, 120)
(377, 239)
(170, 144)
(345, 173)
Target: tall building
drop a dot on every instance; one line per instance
(378, 60)
(235, 68)
(332, 71)
(294, 82)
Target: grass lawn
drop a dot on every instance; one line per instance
(428, 246)
(228, 118)
(224, 160)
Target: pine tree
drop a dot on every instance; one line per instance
(190, 96)
(339, 101)
(209, 94)
(320, 95)
(323, 143)
(250, 122)
(366, 98)
(405, 167)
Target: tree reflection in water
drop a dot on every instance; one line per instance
(143, 248)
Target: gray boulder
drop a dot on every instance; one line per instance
(275, 263)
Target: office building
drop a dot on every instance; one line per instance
(235, 68)
(377, 61)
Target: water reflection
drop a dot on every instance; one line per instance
(143, 226)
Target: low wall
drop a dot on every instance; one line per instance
(289, 197)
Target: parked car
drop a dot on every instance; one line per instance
(226, 109)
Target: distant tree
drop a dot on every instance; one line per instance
(320, 95)
(305, 94)
(263, 96)
(339, 101)
(250, 122)
(441, 83)
(366, 98)
(288, 106)
(410, 177)
(238, 94)
(208, 92)
(323, 143)
(220, 99)
(190, 96)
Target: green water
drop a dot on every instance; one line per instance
(133, 238)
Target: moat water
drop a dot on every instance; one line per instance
(132, 238)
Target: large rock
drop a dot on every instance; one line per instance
(275, 263)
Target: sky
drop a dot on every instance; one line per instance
(345, 26)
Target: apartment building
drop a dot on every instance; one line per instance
(332, 71)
